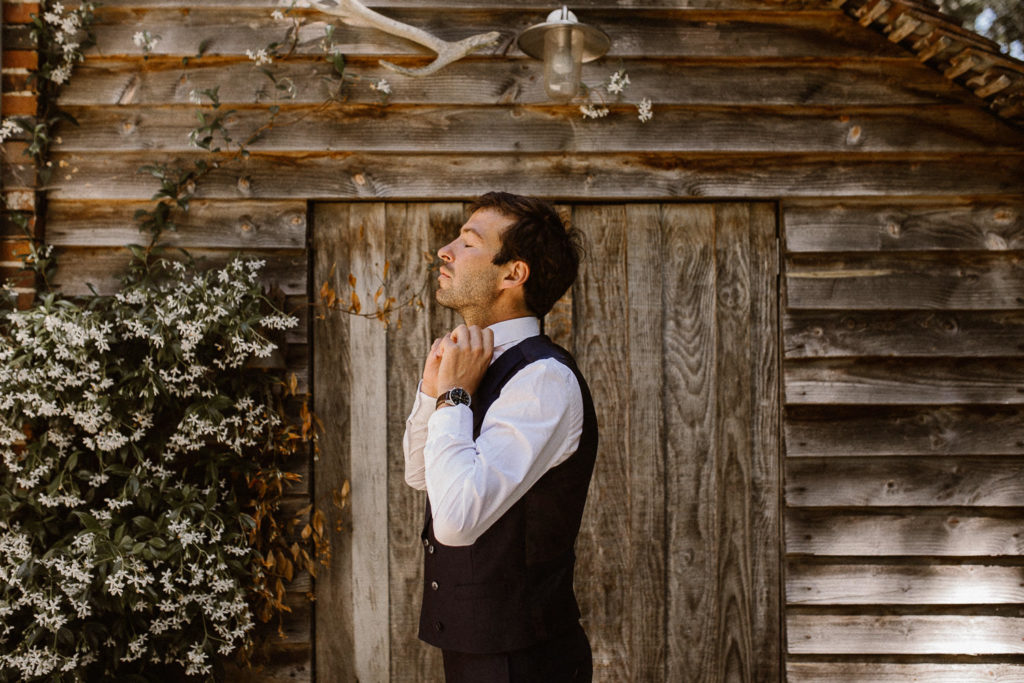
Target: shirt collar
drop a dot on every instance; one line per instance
(508, 333)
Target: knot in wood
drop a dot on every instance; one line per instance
(995, 242)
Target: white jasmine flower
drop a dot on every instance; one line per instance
(382, 86)
(644, 112)
(277, 14)
(591, 111)
(617, 82)
(61, 74)
(259, 56)
(9, 128)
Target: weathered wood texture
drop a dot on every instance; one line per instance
(713, 579)
(900, 313)
(716, 614)
(605, 177)
(360, 128)
(858, 672)
(902, 347)
(890, 82)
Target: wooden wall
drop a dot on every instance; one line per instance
(904, 439)
(673, 321)
(900, 201)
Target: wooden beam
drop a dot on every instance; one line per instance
(912, 585)
(608, 177)
(929, 634)
(913, 533)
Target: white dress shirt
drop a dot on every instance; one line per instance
(533, 425)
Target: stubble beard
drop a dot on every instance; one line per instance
(467, 298)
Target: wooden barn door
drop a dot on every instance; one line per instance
(674, 322)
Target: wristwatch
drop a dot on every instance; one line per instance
(453, 397)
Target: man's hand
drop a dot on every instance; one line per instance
(464, 357)
(430, 368)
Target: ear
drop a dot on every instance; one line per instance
(516, 274)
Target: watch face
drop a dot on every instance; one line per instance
(459, 395)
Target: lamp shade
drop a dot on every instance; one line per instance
(563, 43)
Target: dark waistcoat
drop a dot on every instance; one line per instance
(513, 586)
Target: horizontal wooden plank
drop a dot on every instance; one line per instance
(908, 481)
(906, 281)
(823, 334)
(888, 672)
(230, 31)
(905, 381)
(919, 635)
(903, 430)
(893, 226)
(522, 5)
(364, 128)
(918, 533)
(230, 225)
(103, 268)
(889, 82)
(340, 176)
(885, 584)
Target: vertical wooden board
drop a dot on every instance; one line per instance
(765, 430)
(687, 395)
(735, 628)
(558, 322)
(334, 625)
(646, 616)
(408, 236)
(367, 349)
(600, 341)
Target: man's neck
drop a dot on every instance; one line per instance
(488, 318)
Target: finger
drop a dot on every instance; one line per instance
(488, 341)
(459, 333)
(476, 338)
(435, 348)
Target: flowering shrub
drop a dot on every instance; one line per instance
(140, 449)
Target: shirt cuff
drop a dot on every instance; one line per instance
(447, 427)
(422, 406)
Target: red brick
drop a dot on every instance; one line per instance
(13, 250)
(25, 300)
(18, 277)
(20, 59)
(19, 105)
(20, 12)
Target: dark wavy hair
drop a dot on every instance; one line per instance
(540, 239)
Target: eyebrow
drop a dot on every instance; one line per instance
(479, 236)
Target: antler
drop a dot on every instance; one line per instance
(446, 52)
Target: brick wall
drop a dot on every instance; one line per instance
(18, 171)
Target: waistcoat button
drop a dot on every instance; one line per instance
(434, 585)
(438, 626)
(430, 549)
(425, 543)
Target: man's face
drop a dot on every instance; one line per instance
(469, 280)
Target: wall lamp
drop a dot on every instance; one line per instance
(563, 43)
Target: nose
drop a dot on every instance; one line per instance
(445, 253)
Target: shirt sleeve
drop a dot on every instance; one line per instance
(414, 439)
(532, 426)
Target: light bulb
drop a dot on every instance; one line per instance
(563, 57)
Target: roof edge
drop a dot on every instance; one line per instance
(962, 56)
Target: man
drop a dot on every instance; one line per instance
(503, 436)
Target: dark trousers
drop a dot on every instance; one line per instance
(563, 659)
